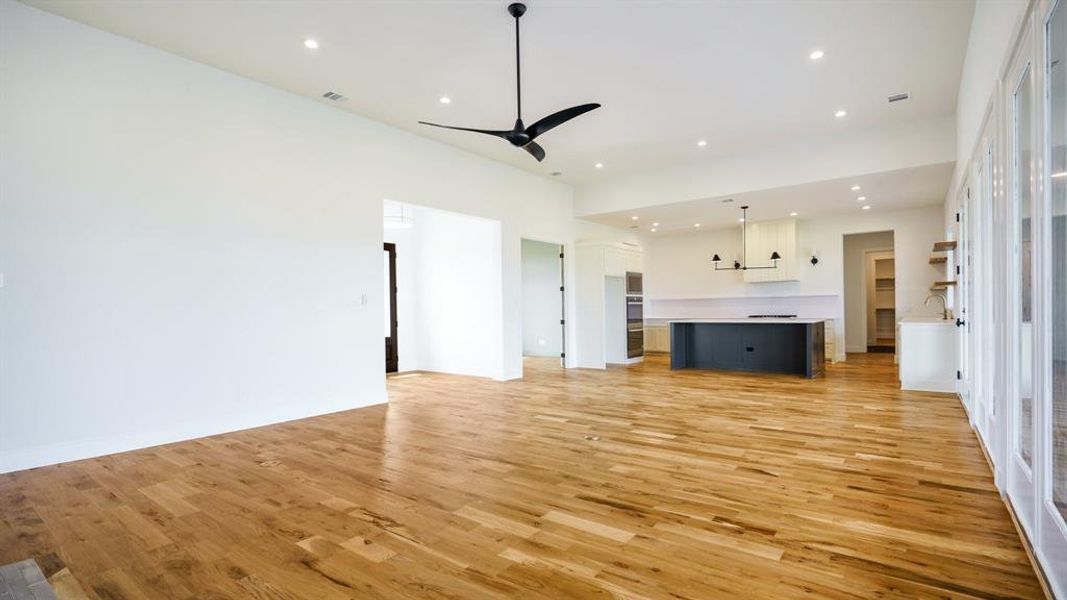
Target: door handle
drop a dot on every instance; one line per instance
(749, 349)
(960, 323)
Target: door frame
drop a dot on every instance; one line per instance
(392, 363)
(566, 323)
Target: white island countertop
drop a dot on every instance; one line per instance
(769, 321)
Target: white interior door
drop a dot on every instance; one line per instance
(1021, 193)
(962, 274)
(983, 341)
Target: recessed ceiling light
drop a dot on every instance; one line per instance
(702, 143)
(792, 214)
(312, 44)
(861, 198)
(653, 230)
(696, 224)
(816, 55)
(866, 207)
(740, 219)
(855, 188)
(444, 100)
(599, 165)
(840, 114)
(633, 218)
(655, 224)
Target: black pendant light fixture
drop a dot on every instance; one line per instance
(742, 265)
(520, 135)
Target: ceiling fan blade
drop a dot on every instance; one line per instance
(558, 118)
(497, 133)
(535, 150)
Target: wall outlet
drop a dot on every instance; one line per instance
(542, 341)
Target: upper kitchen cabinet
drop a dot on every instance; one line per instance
(620, 259)
(765, 237)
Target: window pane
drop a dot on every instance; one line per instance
(1023, 193)
(1058, 181)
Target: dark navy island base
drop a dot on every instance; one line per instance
(778, 346)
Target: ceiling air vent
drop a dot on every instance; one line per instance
(899, 97)
(333, 96)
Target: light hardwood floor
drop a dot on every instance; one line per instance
(629, 483)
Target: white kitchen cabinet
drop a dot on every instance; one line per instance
(614, 262)
(765, 237)
(633, 261)
(595, 262)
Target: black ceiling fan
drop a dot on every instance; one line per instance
(521, 135)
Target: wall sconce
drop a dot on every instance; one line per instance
(814, 257)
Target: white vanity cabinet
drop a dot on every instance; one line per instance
(928, 354)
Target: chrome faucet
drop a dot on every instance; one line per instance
(944, 304)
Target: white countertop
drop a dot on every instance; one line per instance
(926, 321)
(752, 321)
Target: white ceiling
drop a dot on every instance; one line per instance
(668, 73)
(888, 190)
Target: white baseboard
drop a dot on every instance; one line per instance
(53, 454)
(929, 385)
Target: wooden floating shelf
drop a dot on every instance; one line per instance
(944, 246)
(944, 283)
(938, 260)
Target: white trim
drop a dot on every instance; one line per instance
(929, 385)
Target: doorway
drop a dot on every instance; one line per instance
(870, 292)
(447, 315)
(391, 353)
(543, 323)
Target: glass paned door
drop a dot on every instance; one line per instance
(1052, 337)
(1022, 109)
(1057, 156)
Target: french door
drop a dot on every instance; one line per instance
(1049, 247)
(1021, 195)
(981, 292)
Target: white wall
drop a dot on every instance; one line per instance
(457, 293)
(186, 251)
(993, 27)
(855, 284)
(542, 334)
(678, 266)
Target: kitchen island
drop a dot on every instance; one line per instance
(778, 345)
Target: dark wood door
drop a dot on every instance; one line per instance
(390, 340)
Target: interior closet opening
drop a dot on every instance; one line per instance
(870, 292)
